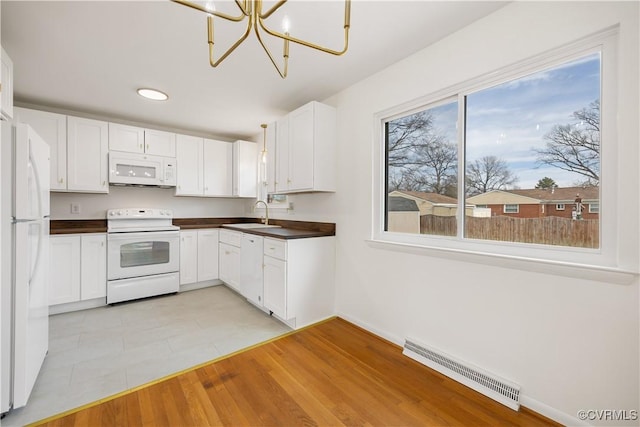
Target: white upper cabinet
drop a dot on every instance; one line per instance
(87, 155)
(78, 149)
(6, 85)
(306, 150)
(189, 166)
(133, 139)
(218, 168)
(126, 138)
(52, 128)
(245, 169)
(206, 168)
(159, 143)
(269, 171)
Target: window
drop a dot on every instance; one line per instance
(594, 207)
(511, 208)
(456, 156)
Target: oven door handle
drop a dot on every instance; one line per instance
(143, 236)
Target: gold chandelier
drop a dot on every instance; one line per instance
(252, 11)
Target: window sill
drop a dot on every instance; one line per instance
(575, 270)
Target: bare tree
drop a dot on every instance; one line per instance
(575, 147)
(488, 173)
(419, 158)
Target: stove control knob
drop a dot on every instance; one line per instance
(119, 212)
(112, 213)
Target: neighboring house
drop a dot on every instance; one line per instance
(403, 215)
(538, 203)
(437, 204)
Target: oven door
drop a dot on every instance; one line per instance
(142, 254)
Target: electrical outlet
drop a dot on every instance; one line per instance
(75, 208)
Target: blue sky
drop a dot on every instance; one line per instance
(510, 120)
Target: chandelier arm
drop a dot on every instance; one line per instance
(196, 6)
(214, 63)
(347, 24)
(243, 7)
(270, 11)
(283, 73)
(309, 44)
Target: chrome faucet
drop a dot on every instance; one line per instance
(266, 210)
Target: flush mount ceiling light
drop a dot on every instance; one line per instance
(252, 11)
(153, 94)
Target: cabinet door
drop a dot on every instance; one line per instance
(159, 143)
(218, 168)
(93, 267)
(251, 251)
(64, 265)
(229, 257)
(275, 286)
(188, 257)
(282, 155)
(6, 93)
(301, 139)
(189, 166)
(269, 170)
(52, 128)
(126, 138)
(208, 254)
(87, 155)
(245, 172)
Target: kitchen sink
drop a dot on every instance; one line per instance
(251, 225)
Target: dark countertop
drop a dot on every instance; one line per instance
(289, 230)
(283, 233)
(74, 226)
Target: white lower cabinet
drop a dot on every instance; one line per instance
(188, 257)
(78, 268)
(208, 254)
(299, 279)
(251, 283)
(229, 256)
(198, 255)
(292, 279)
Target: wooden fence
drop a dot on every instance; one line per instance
(550, 230)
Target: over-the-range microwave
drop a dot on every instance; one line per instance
(141, 169)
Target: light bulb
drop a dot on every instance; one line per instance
(286, 24)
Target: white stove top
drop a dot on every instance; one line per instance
(130, 220)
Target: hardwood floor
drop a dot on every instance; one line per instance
(330, 374)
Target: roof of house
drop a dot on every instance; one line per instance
(401, 204)
(429, 197)
(560, 194)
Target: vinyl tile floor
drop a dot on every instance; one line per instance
(99, 352)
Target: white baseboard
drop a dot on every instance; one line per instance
(200, 285)
(77, 306)
(549, 412)
(394, 339)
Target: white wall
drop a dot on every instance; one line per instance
(94, 206)
(570, 343)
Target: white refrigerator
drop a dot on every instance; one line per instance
(25, 262)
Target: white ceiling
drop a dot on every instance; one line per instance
(91, 56)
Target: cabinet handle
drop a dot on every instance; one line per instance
(288, 181)
(141, 146)
(103, 183)
(147, 146)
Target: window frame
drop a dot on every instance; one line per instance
(504, 208)
(560, 206)
(597, 210)
(572, 261)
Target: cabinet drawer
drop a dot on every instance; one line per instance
(231, 237)
(275, 248)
